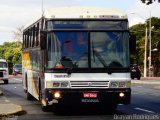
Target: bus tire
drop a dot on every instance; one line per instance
(5, 81)
(29, 96)
(45, 108)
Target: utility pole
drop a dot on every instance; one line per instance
(42, 8)
(150, 48)
(145, 53)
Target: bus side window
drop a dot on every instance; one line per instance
(23, 45)
(33, 36)
(27, 38)
(29, 41)
(31, 44)
(37, 34)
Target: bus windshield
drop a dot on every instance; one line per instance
(109, 49)
(105, 48)
(3, 65)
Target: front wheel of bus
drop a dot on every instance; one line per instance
(29, 96)
(5, 81)
(44, 108)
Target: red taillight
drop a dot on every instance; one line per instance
(59, 66)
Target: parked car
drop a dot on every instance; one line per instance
(4, 72)
(17, 69)
(135, 71)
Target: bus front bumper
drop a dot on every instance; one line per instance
(87, 96)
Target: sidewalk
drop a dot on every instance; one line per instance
(150, 78)
(7, 108)
(147, 80)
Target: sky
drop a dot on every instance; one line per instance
(17, 13)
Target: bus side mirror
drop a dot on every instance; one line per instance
(43, 39)
(132, 44)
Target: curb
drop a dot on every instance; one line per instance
(10, 109)
(156, 87)
(145, 82)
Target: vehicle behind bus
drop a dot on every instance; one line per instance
(4, 73)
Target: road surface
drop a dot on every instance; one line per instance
(145, 101)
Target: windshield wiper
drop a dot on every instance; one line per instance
(95, 53)
(102, 61)
(100, 58)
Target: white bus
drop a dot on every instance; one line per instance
(78, 56)
(4, 72)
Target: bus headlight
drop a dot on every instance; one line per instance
(64, 84)
(128, 84)
(51, 84)
(114, 84)
(56, 84)
(120, 84)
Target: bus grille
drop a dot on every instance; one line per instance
(89, 84)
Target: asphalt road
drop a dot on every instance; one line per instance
(145, 101)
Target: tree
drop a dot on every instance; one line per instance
(18, 34)
(139, 31)
(148, 2)
(11, 51)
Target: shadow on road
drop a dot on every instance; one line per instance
(83, 111)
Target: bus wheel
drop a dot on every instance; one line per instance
(29, 96)
(5, 81)
(45, 108)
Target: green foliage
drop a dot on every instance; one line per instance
(11, 51)
(148, 2)
(139, 30)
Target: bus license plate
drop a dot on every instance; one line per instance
(90, 95)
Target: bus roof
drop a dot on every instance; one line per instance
(80, 13)
(3, 60)
(84, 12)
